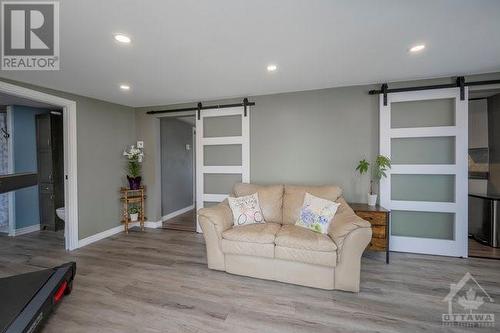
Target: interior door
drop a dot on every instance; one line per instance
(425, 135)
(222, 154)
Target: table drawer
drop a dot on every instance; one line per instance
(379, 231)
(373, 217)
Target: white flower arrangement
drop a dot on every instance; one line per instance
(133, 153)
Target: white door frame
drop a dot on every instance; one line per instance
(459, 246)
(201, 141)
(70, 154)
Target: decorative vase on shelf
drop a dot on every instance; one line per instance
(134, 217)
(372, 199)
(134, 182)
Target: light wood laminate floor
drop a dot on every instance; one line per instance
(183, 222)
(158, 281)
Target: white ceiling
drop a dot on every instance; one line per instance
(202, 50)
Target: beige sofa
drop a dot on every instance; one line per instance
(279, 250)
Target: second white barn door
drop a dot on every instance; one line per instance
(222, 154)
(425, 135)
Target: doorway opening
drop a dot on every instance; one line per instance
(55, 155)
(178, 184)
(32, 167)
(484, 172)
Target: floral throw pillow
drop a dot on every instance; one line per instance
(246, 210)
(316, 213)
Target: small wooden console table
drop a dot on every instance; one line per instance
(380, 219)
(128, 197)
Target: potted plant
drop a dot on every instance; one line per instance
(134, 159)
(380, 166)
(133, 212)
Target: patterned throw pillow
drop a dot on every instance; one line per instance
(246, 210)
(316, 213)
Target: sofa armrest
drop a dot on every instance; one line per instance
(351, 234)
(214, 221)
(219, 216)
(344, 222)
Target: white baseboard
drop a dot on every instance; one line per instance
(101, 235)
(177, 213)
(148, 224)
(117, 230)
(25, 230)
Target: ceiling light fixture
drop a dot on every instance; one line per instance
(122, 38)
(124, 87)
(417, 48)
(272, 68)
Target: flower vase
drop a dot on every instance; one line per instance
(134, 182)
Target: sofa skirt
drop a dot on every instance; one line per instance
(303, 274)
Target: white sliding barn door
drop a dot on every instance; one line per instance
(425, 135)
(222, 154)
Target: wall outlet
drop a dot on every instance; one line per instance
(188, 146)
(140, 144)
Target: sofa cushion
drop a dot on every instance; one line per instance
(328, 259)
(247, 249)
(270, 199)
(261, 233)
(293, 198)
(301, 238)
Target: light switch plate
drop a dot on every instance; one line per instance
(140, 144)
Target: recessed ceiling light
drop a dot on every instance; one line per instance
(417, 48)
(272, 68)
(124, 87)
(122, 38)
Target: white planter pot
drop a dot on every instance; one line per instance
(134, 217)
(372, 199)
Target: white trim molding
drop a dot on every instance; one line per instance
(25, 230)
(116, 230)
(176, 213)
(70, 154)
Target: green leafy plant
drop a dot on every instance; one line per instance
(134, 209)
(134, 159)
(133, 168)
(379, 170)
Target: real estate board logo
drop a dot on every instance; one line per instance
(30, 35)
(469, 295)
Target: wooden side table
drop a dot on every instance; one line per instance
(380, 219)
(128, 197)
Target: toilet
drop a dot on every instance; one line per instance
(60, 212)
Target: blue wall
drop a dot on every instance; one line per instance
(24, 143)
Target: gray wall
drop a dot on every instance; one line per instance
(478, 137)
(103, 131)
(309, 137)
(176, 165)
(494, 143)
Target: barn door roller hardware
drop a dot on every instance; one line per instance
(200, 107)
(459, 82)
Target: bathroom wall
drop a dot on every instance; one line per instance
(24, 142)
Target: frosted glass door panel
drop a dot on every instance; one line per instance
(222, 155)
(222, 126)
(220, 183)
(439, 188)
(432, 225)
(431, 150)
(429, 113)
